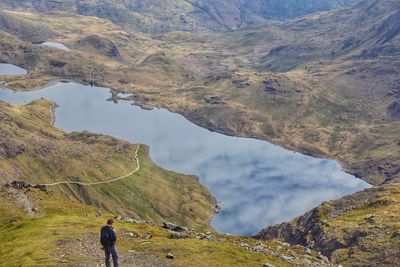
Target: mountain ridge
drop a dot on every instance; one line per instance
(314, 84)
(325, 84)
(187, 15)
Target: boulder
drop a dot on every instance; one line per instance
(19, 185)
(177, 235)
(11, 149)
(132, 234)
(174, 227)
(57, 63)
(370, 218)
(41, 187)
(396, 234)
(170, 256)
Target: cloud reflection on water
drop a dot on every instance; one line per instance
(258, 184)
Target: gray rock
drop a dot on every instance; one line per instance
(130, 234)
(286, 258)
(12, 149)
(170, 256)
(147, 236)
(370, 218)
(396, 234)
(268, 265)
(177, 235)
(174, 227)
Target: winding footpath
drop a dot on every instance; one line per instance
(103, 182)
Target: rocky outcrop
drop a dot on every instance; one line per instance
(10, 149)
(23, 185)
(348, 229)
(218, 15)
(98, 44)
(214, 100)
(174, 227)
(307, 231)
(57, 63)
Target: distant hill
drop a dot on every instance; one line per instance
(157, 16)
(325, 84)
(235, 14)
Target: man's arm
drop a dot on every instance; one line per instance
(113, 235)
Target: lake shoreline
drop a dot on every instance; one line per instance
(105, 92)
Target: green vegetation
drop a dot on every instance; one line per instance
(273, 83)
(34, 152)
(330, 91)
(362, 229)
(65, 233)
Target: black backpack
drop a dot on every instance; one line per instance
(105, 238)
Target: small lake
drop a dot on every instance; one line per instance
(56, 45)
(9, 69)
(257, 183)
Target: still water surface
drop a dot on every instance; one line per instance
(56, 45)
(257, 183)
(8, 69)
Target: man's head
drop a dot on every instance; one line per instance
(110, 222)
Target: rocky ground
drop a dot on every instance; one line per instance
(362, 229)
(52, 230)
(88, 249)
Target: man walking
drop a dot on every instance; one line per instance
(107, 240)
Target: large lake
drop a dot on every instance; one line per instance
(257, 183)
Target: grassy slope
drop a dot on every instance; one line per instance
(52, 155)
(59, 225)
(158, 16)
(357, 230)
(322, 108)
(320, 104)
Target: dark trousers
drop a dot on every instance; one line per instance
(111, 251)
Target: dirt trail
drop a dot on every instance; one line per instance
(88, 249)
(103, 182)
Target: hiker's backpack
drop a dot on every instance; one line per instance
(105, 237)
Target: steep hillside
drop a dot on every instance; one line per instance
(325, 84)
(157, 16)
(359, 230)
(31, 150)
(329, 81)
(236, 14)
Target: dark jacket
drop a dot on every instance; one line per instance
(107, 236)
